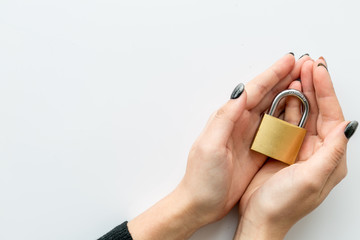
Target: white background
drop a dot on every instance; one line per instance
(100, 102)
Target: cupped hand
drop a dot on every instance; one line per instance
(221, 164)
(280, 195)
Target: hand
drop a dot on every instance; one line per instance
(220, 164)
(280, 195)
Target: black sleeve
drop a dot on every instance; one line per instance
(121, 232)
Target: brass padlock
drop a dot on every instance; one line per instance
(279, 139)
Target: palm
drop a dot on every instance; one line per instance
(221, 158)
(276, 179)
(275, 176)
(243, 162)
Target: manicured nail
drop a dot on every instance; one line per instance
(291, 53)
(323, 59)
(350, 129)
(239, 89)
(306, 54)
(321, 64)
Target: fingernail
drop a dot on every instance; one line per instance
(321, 64)
(323, 59)
(350, 129)
(298, 80)
(306, 54)
(239, 89)
(291, 53)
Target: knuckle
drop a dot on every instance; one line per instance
(208, 150)
(343, 172)
(262, 89)
(312, 185)
(220, 113)
(203, 148)
(339, 151)
(340, 175)
(337, 154)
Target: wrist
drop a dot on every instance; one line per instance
(259, 229)
(173, 217)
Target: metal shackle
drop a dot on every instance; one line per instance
(299, 95)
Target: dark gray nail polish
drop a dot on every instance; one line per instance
(292, 53)
(237, 91)
(306, 54)
(323, 59)
(321, 64)
(350, 129)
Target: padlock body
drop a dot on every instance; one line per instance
(278, 139)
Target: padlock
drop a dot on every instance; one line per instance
(279, 139)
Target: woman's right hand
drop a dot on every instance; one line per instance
(280, 195)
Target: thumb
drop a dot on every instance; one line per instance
(332, 152)
(222, 122)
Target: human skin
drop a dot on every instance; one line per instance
(220, 163)
(280, 195)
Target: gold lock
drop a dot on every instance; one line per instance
(279, 139)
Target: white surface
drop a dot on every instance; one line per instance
(100, 102)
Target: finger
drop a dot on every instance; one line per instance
(280, 110)
(221, 123)
(296, 72)
(283, 104)
(327, 158)
(282, 85)
(281, 115)
(335, 178)
(309, 91)
(263, 83)
(293, 105)
(330, 113)
(341, 170)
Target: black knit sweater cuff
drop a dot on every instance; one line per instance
(121, 232)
